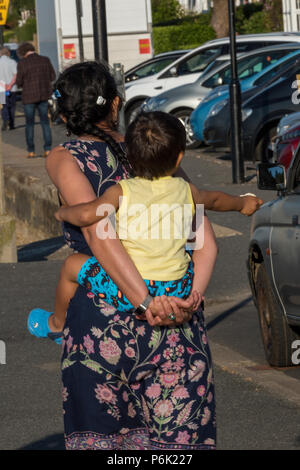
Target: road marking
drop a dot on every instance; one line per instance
(222, 232)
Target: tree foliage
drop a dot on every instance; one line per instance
(165, 10)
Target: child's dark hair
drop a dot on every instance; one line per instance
(153, 143)
(85, 93)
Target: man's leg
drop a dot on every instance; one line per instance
(43, 113)
(29, 110)
(5, 116)
(12, 109)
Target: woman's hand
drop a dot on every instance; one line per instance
(161, 310)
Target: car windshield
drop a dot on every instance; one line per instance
(198, 62)
(152, 68)
(247, 67)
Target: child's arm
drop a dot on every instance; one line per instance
(219, 201)
(83, 215)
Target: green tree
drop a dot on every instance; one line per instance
(165, 10)
(273, 15)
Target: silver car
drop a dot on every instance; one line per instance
(273, 263)
(181, 101)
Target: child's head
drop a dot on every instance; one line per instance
(154, 143)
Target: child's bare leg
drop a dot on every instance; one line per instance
(66, 289)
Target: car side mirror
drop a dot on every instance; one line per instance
(271, 176)
(173, 71)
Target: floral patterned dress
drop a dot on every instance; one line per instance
(127, 385)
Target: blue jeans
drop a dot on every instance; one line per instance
(8, 109)
(29, 110)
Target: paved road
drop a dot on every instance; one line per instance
(258, 407)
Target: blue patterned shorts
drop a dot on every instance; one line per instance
(93, 277)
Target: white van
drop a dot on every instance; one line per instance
(188, 68)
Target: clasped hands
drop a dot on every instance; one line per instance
(162, 308)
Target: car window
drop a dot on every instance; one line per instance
(152, 68)
(247, 67)
(199, 61)
(280, 68)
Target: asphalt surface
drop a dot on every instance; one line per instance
(257, 407)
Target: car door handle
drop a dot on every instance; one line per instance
(158, 88)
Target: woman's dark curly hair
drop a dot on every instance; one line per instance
(77, 92)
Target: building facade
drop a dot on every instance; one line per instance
(201, 6)
(291, 15)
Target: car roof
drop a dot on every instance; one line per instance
(282, 36)
(250, 54)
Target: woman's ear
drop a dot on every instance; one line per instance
(115, 107)
(179, 158)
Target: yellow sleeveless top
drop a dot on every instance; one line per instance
(154, 222)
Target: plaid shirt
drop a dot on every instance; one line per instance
(34, 75)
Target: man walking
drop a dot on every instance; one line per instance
(35, 74)
(8, 74)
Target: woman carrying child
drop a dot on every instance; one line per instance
(127, 383)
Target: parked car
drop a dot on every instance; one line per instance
(273, 261)
(261, 113)
(151, 66)
(288, 121)
(189, 67)
(214, 101)
(181, 101)
(285, 146)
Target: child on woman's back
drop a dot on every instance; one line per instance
(145, 206)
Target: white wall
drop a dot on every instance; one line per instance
(291, 15)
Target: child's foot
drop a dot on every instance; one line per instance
(38, 325)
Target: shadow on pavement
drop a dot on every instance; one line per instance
(39, 251)
(55, 442)
(227, 313)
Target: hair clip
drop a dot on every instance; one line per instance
(101, 101)
(57, 94)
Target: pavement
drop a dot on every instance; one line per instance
(258, 407)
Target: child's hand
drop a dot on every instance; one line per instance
(250, 204)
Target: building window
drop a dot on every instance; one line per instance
(298, 22)
(298, 4)
(192, 4)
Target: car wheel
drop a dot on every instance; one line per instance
(184, 117)
(132, 112)
(277, 335)
(262, 152)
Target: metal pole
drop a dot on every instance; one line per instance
(2, 197)
(1, 36)
(100, 30)
(79, 29)
(120, 81)
(238, 172)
